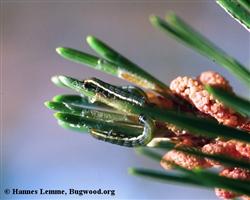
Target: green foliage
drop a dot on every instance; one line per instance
(109, 108)
(197, 177)
(231, 100)
(180, 30)
(238, 9)
(225, 160)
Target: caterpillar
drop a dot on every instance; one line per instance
(135, 90)
(119, 139)
(110, 91)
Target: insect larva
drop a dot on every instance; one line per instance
(119, 139)
(111, 91)
(135, 90)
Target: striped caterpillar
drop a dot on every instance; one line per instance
(110, 91)
(119, 139)
(124, 94)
